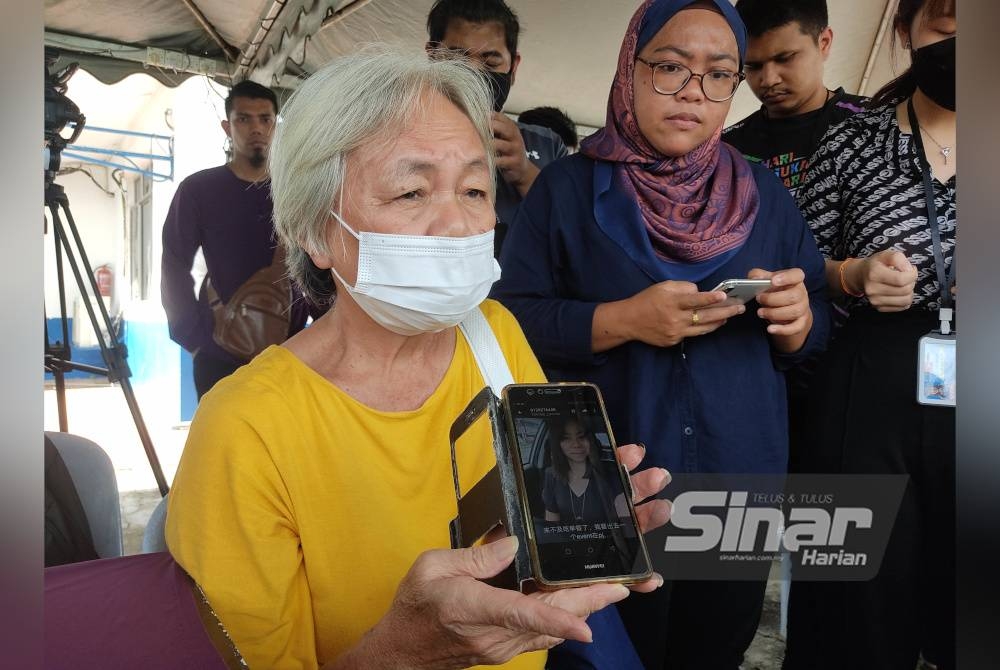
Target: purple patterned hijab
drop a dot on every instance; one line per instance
(697, 206)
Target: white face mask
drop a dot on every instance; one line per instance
(412, 284)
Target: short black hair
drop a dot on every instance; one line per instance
(763, 15)
(555, 120)
(473, 11)
(252, 90)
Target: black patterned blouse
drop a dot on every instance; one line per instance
(864, 193)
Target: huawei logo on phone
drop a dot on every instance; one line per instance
(594, 566)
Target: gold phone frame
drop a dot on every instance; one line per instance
(529, 526)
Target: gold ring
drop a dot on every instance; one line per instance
(695, 318)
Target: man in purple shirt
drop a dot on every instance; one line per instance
(225, 211)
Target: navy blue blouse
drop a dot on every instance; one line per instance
(714, 403)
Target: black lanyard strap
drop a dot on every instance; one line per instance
(944, 283)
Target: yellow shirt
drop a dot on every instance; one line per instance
(299, 510)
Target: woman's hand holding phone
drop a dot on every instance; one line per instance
(646, 484)
(785, 306)
(653, 513)
(661, 315)
(444, 617)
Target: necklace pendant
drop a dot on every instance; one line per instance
(945, 151)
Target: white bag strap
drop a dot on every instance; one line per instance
(486, 350)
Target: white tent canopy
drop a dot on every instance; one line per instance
(569, 48)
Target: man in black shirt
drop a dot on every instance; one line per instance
(789, 43)
(487, 31)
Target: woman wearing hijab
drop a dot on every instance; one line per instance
(609, 269)
(883, 401)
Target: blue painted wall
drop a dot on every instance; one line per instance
(153, 358)
(189, 396)
(85, 355)
(150, 351)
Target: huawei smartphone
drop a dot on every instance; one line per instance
(577, 499)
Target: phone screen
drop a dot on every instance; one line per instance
(582, 519)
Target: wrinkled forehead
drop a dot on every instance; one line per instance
(434, 132)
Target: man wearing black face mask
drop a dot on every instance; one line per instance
(487, 32)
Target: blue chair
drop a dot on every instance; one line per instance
(94, 478)
(153, 539)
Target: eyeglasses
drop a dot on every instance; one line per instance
(670, 78)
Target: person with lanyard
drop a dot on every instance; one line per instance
(610, 268)
(880, 197)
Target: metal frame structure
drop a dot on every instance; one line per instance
(127, 155)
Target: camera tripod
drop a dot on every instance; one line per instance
(58, 356)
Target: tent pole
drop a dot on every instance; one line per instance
(287, 42)
(228, 49)
(344, 12)
(268, 19)
(890, 8)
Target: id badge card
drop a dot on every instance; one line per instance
(936, 369)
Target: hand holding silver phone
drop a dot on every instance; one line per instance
(742, 291)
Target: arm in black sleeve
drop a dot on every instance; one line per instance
(189, 320)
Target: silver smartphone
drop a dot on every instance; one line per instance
(742, 291)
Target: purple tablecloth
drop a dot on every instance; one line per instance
(132, 612)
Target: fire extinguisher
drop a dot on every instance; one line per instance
(105, 280)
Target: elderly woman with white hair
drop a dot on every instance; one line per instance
(313, 497)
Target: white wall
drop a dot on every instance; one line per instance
(99, 220)
(191, 114)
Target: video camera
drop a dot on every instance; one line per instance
(59, 111)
